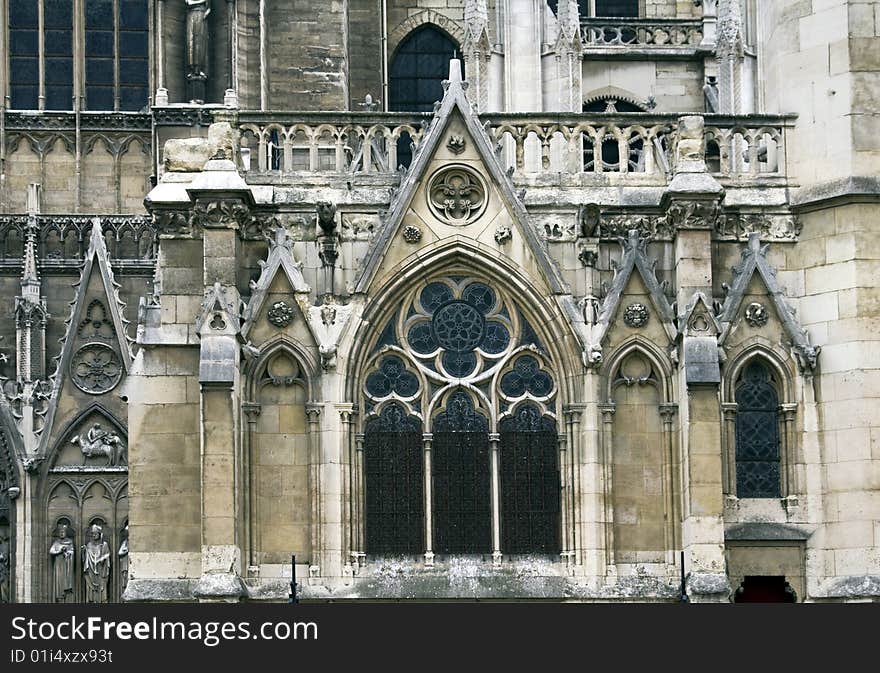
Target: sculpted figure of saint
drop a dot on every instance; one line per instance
(61, 553)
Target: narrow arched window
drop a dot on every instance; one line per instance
(757, 434)
(393, 483)
(420, 65)
(461, 484)
(529, 483)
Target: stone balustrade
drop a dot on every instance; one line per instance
(328, 142)
(612, 32)
(592, 145)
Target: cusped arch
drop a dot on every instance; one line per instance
(648, 349)
(281, 344)
(767, 353)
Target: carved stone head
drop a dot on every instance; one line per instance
(326, 217)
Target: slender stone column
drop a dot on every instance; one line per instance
(607, 411)
(252, 413)
(429, 533)
(318, 504)
(494, 448)
(359, 556)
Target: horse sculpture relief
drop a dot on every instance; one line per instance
(99, 442)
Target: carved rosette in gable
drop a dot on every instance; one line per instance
(737, 314)
(634, 260)
(280, 297)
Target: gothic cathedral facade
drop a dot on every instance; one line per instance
(569, 300)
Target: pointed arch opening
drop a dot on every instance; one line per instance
(759, 434)
(462, 356)
(418, 68)
(641, 467)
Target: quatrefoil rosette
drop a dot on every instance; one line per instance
(457, 195)
(460, 327)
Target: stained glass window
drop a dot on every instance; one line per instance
(628, 8)
(461, 482)
(102, 55)
(420, 64)
(530, 502)
(393, 483)
(24, 68)
(757, 435)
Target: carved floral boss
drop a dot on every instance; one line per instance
(456, 195)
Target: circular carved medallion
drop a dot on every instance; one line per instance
(458, 326)
(456, 195)
(95, 368)
(636, 315)
(281, 314)
(756, 314)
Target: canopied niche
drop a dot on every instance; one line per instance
(280, 452)
(640, 466)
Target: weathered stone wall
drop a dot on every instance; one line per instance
(306, 56)
(675, 85)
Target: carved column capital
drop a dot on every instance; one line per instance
(252, 410)
(313, 413)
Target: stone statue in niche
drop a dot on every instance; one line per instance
(100, 442)
(5, 569)
(61, 553)
(197, 12)
(96, 565)
(123, 560)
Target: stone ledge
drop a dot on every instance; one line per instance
(219, 587)
(850, 587)
(159, 590)
(759, 532)
(824, 194)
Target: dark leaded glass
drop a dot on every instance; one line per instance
(419, 66)
(133, 54)
(392, 377)
(394, 484)
(24, 71)
(628, 8)
(421, 338)
(58, 27)
(497, 338)
(458, 326)
(530, 499)
(757, 435)
(461, 482)
(480, 297)
(434, 296)
(100, 65)
(526, 376)
(459, 365)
